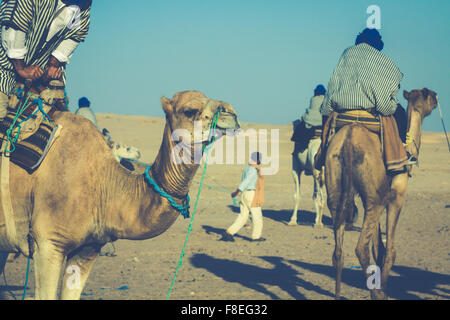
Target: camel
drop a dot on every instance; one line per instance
(304, 162)
(123, 151)
(81, 197)
(120, 150)
(354, 166)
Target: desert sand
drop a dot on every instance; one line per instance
(293, 263)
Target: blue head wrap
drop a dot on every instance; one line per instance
(372, 37)
(320, 90)
(84, 102)
(83, 4)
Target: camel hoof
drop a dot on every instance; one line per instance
(318, 226)
(292, 223)
(349, 227)
(378, 295)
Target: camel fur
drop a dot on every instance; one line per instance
(81, 197)
(354, 166)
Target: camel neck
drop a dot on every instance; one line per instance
(414, 132)
(174, 178)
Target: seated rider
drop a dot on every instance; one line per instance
(38, 38)
(85, 111)
(311, 121)
(366, 79)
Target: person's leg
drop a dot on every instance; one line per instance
(3, 105)
(243, 216)
(257, 219)
(402, 122)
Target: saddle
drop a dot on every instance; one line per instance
(363, 117)
(28, 128)
(394, 153)
(303, 135)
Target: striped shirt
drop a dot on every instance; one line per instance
(35, 18)
(365, 78)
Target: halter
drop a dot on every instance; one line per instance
(184, 210)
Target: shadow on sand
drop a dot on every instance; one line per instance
(304, 217)
(407, 285)
(280, 275)
(220, 231)
(409, 282)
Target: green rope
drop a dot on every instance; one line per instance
(212, 138)
(20, 110)
(26, 280)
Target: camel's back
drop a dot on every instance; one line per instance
(357, 138)
(71, 170)
(354, 157)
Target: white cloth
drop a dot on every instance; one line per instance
(257, 218)
(312, 116)
(87, 113)
(14, 43)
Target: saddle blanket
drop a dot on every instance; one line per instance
(30, 149)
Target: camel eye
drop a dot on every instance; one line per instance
(190, 113)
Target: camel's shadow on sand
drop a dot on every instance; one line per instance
(405, 286)
(256, 278)
(305, 217)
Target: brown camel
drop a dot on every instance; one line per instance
(354, 166)
(81, 197)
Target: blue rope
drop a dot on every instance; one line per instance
(184, 210)
(65, 99)
(26, 280)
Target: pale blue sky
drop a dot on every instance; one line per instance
(264, 57)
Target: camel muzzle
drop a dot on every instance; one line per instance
(227, 121)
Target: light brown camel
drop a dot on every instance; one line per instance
(354, 166)
(81, 198)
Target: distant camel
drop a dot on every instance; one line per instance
(354, 165)
(81, 197)
(303, 161)
(120, 150)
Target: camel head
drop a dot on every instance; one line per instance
(421, 103)
(192, 111)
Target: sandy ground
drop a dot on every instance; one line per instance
(294, 262)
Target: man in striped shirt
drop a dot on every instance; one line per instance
(366, 79)
(38, 38)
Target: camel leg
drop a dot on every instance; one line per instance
(297, 179)
(369, 229)
(78, 268)
(47, 265)
(378, 249)
(338, 258)
(399, 184)
(318, 199)
(3, 259)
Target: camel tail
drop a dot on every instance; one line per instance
(349, 158)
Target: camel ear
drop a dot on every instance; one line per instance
(167, 105)
(406, 94)
(425, 93)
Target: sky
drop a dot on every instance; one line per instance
(264, 57)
